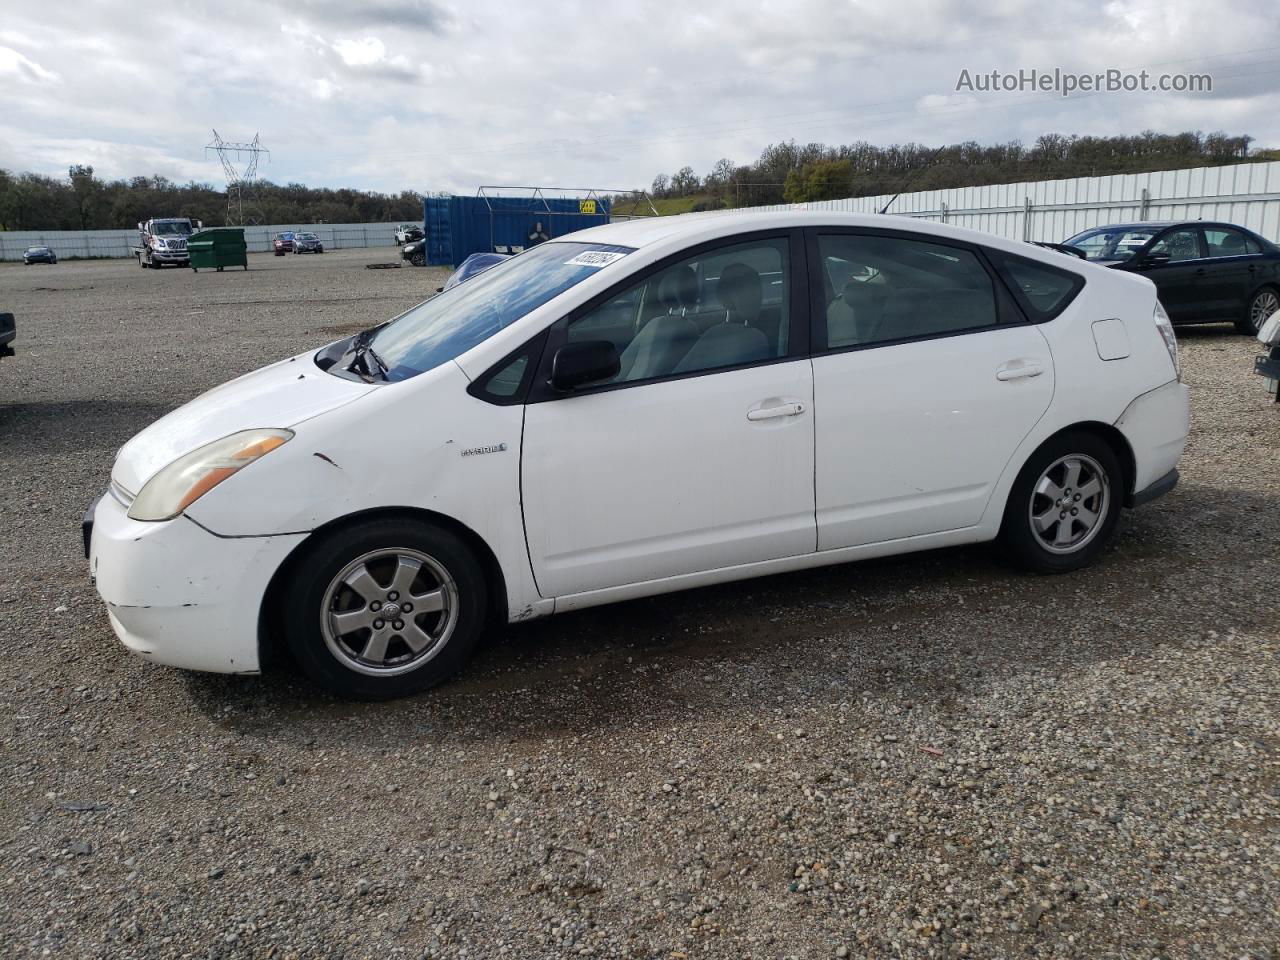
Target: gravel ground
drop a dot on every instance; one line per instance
(925, 756)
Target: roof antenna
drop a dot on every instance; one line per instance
(912, 175)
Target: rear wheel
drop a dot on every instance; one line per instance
(384, 610)
(1261, 306)
(1064, 505)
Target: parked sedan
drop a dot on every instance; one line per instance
(1204, 272)
(634, 409)
(282, 243)
(38, 255)
(307, 243)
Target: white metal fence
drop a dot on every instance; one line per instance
(1052, 210)
(117, 243)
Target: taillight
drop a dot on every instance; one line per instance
(1165, 326)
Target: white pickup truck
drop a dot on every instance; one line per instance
(164, 240)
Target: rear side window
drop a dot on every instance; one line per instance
(1228, 243)
(883, 289)
(1042, 291)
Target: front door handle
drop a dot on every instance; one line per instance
(1019, 370)
(1199, 271)
(770, 413)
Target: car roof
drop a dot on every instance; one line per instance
(1163, 224)
(687, 229)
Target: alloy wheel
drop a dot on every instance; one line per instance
(389, 611)
(1264, 305)
(1069, 503)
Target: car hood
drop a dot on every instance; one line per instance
(281, 395)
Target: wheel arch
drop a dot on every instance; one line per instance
(271, 649)
(1109, 434)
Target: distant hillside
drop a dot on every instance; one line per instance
(795, 173)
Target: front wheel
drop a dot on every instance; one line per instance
(384, 610)
(1064, 505)
(418, 259)
(1261, 306)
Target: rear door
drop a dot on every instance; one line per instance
(1231, 271)
(926, 379)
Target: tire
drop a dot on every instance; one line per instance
(418, 259)
(1031, 536)
(346, 663)
(1261, 305)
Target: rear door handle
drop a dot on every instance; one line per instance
(1199, 271)
(771, 413)
(1019, 370)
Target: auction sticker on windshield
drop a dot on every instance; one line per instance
(594, 258)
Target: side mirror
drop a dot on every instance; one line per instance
(1154, 260)
(579, 364)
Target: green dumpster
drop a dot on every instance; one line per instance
(224, 247)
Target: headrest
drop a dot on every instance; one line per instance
(740, 291)
(678, 288)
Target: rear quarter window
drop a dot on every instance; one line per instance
(1041, 290)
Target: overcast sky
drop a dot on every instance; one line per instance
(428, 95)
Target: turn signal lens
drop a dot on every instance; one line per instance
(192, 475)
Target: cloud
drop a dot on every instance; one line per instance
(360, 53)
(430, 96)
(14, 64)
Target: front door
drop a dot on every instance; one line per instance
(699, 454)
(923, 389)
(1179, 280)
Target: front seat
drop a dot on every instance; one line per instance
(734, 341)
(657, 348)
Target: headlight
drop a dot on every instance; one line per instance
(1165, 326)
(192, 475)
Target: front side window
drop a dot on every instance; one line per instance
(882, 289)
(448, 325)
(1111, 243)
(726, 307)
(1182, 244)
(1228, 243)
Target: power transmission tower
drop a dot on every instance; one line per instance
(242, 187)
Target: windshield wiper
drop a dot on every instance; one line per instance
(363, 352)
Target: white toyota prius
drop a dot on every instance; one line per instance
(634, 409)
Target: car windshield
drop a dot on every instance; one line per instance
(1112, 243)
(171, 228)
(305, 236)
(37, 249)
(448, 325)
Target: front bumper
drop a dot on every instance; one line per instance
(170, 256)
(176, 593)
